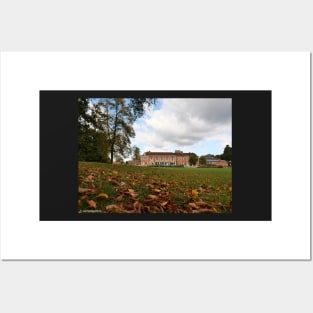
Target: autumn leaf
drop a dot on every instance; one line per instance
(120, 198)
(131, 190)
(202, 204)
(194, 193)
(113, 207)
(193, 205)
(156, 190)
(152, 197)
(90, 178)
(92, 203)
(102, 196)
(84, 190)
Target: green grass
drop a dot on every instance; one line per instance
(172, 190)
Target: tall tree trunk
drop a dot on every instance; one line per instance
(112, 153)
(114, 132)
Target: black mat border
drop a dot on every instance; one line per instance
(251, 118)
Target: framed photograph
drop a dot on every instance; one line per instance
(155, 155)
(183, 169)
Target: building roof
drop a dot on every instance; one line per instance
(167, 153)
(211, 158)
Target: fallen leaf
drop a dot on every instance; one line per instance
(120, 198)
(202, 204)
(193, 205)
(131, 190)
(194, 193)
(102, 196)
(90, 178)
(112, 207)
(83, 190)
(205, 211)
(92, 203)
(152, 197)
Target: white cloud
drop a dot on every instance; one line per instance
(185, 124)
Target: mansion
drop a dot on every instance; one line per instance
(177, 158)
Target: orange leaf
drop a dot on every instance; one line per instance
(83, 190)
(92, 203)
(113, 207)
(193, 205)
(119, 198)
(194, 193)
(153, 197)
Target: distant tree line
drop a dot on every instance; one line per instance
(226, 155)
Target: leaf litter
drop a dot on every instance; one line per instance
(145, 190)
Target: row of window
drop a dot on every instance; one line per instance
(163, 158)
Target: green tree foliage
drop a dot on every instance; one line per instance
(105, 126)
(202, 160)
(115, 119)
(136, 153)
(193, 159)
(227, 154)
(140, 105)
(119, 158)
(91, 142)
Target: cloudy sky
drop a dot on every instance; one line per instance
(201, 126)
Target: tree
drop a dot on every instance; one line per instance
(140, 105)
(119, 158)
(202, 160)
(91, 142)
(115, 119)
(109, 120)
(227, 154)
(136, 153)
(193, 159)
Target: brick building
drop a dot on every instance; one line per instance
(177, 158)
(212, 160)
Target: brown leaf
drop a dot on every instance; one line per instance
(120, 198)
(152, 197)
(205, 211)
(202, 204)
(213, 210)
(90, 178)
(112, 207)
(193, 205)
(84, 190)
(92, 203)
(137, 206)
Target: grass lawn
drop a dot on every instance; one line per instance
(110, 188)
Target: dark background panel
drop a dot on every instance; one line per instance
(58, 155)
(251, 142)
